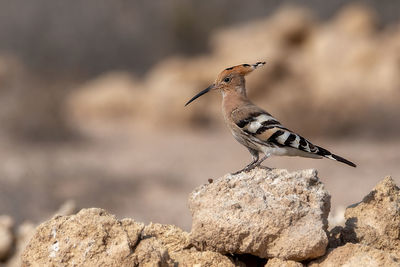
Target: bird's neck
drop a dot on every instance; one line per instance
(231, 100)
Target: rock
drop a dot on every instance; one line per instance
(92, 237)
(111, 97)
(95, 238)
(24, 233)
(177, 243)
(201, 258)
(6, 236)
(371, 235)
(275, 262)
(172, 237)
(355, 255)
(375, 221)
(150, 252)
(264, 213)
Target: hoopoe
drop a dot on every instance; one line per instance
(255, 128)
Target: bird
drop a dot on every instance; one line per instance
(255, 128)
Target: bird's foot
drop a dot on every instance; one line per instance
(266, 168)
(250, 167)
(245, 169)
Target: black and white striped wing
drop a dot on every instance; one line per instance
(262, 128)
(268, 131)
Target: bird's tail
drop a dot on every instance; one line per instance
(325, 153)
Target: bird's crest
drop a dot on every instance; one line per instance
(242, 69)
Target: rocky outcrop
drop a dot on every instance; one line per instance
(375, 221)
(271, 218)
(355, 255)
(93, 237)
(264, 213)
(371, 236)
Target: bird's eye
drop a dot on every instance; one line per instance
(227, 79)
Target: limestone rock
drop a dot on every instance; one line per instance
(95, 238)
(264, 213)
(90, 238)
(375, 221)
(355, 255)
(193, 257)
(149, 252)
(6, 236)
(179, 248)
(24, 233)
(275, 262)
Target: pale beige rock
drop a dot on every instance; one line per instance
(92, 237)
(150, 252)
(170, 236)
(6, 236)
(95, 238)
(355, 255)
(200, 258)
(265, 213)
(375, 221)
(24, 233)
(110, 97)
(179, 248)
(275, 262)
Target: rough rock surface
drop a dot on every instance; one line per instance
(24, 233)
(95, 238)
(264, 213)
(274, 214)
(6, 236)
(375, 221)
(355, 255)
(91, 238)
(275, 262)
(177, 243)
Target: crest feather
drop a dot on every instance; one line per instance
(242, 69)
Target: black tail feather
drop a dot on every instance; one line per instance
(325, 153)
(345, 161)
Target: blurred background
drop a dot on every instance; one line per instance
(92, 98)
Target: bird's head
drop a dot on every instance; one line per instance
(230, 79)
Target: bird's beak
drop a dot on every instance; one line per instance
(200, 94)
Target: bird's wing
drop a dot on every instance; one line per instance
(260, 127)
(267, 130)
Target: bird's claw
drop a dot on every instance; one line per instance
(250, 167)
(266, 168)
(245, 169)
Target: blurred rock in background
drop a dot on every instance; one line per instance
(318, 59)
(333, 78)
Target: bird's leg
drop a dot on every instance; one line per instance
(261, 160)
(254, 154)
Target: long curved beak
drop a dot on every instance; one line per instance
(200, 94)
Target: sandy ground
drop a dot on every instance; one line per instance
(148, 176)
